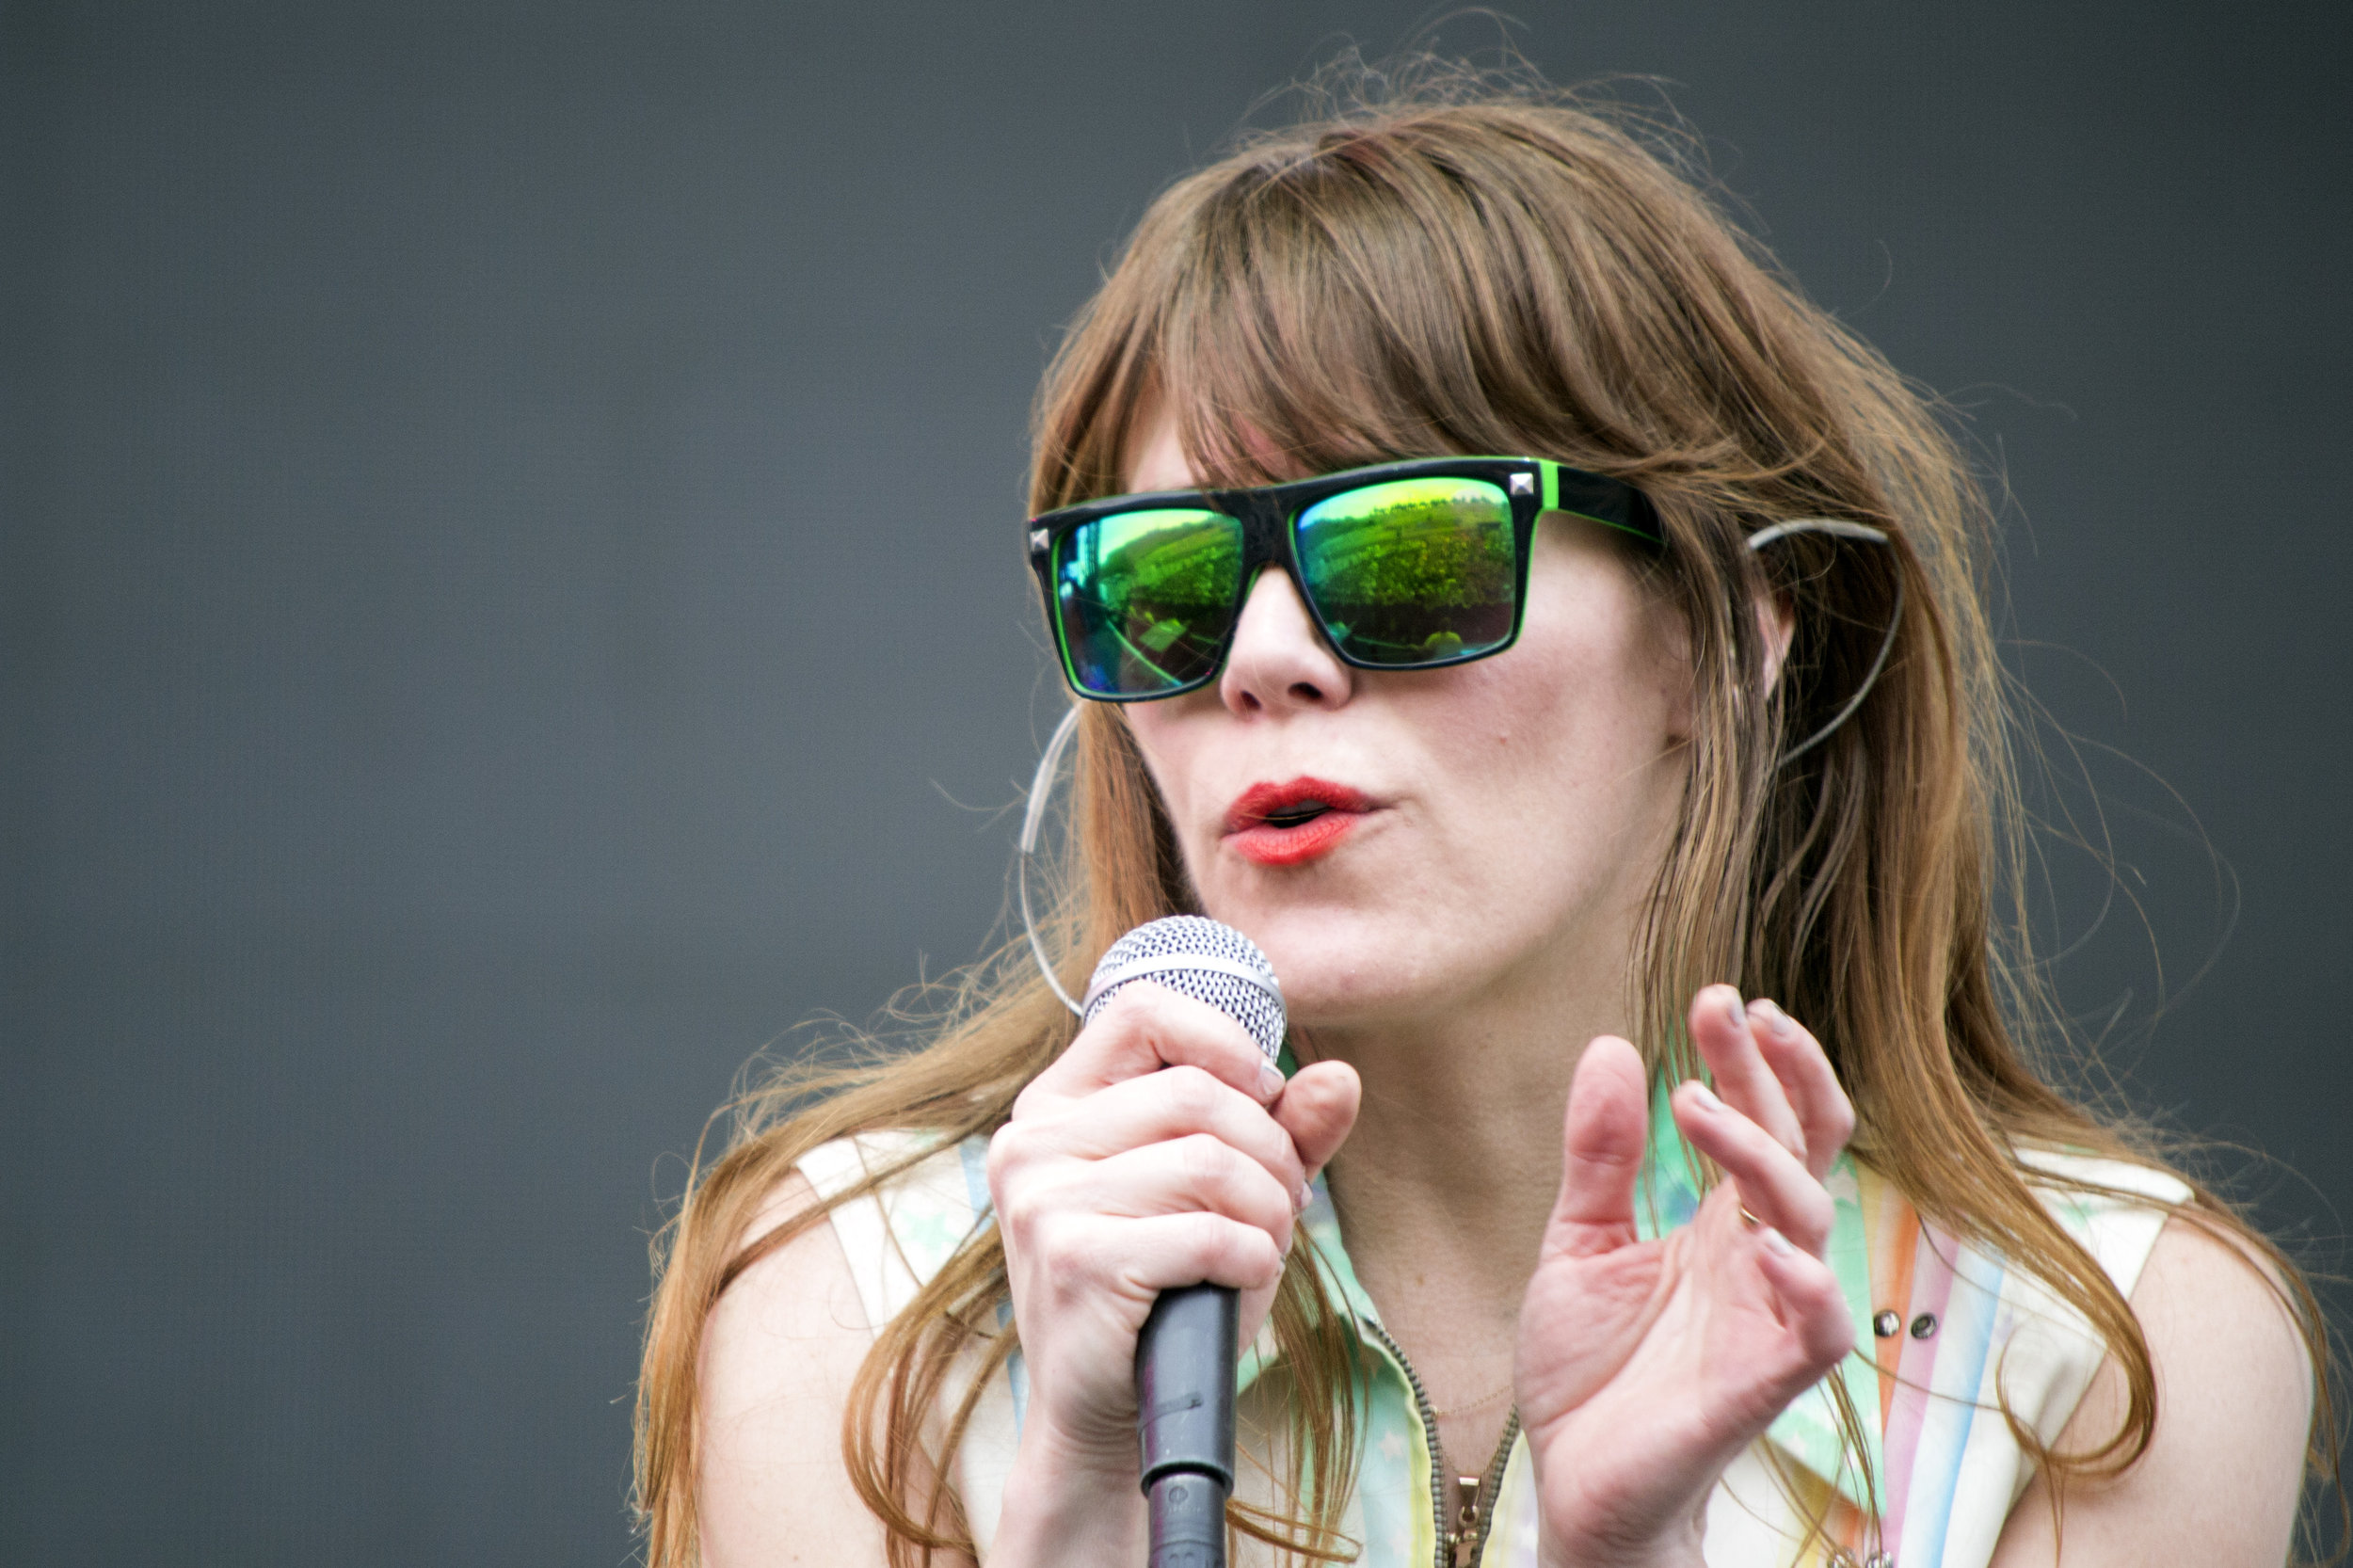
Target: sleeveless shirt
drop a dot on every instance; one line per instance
(1946, 1335)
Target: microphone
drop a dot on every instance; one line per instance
(1186, 1354)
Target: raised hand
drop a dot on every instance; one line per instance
(1114, 1180)
(1645, 1367)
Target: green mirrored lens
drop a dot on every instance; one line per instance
(1146, 598)
(1414, 571)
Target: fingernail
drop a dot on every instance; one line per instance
(1775, 1243)
(1301, 1199)
(1775, 1020)
(1270, 1081)
(1735, 1011)
(1704, 1097)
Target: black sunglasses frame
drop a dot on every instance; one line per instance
(1268, 513)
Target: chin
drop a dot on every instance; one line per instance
(1344, 966)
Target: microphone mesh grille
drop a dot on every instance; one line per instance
(1204, 959)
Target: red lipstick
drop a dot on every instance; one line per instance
(1286, 825)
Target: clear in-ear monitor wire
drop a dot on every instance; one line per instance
(1838, 528)
(1041, 785)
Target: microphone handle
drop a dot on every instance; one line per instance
(1185, 1360)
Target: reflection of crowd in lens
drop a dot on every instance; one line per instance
(1451, 550)
(1457, 568)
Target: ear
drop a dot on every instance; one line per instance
(1776, 623)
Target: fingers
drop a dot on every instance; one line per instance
(1172, 1250)
(1771, 1070)
(1097, 1219)
(1158, 1109)
(1720, 1027)
(1803, 1069)
(1774, 1184)
(1814, 1307)
(1087, 1254)
(1185, 1175)
(1145, 1028)
(1602, 1142)
(1173, 1103)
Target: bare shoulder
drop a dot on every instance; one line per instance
(2217, 1307)
(2235, 1393)
(779, 1353)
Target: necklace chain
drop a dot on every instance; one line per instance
(1479, 1403)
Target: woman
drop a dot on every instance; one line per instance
(1534, 776)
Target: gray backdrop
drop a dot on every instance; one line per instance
(510, 600)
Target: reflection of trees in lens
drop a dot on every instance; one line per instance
(1432, 555)
(1172, 580)
(1456, 570)
(1414, 572)
(1156, 588)
(1191, 562)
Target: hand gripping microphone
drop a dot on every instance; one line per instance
(1184, 1358)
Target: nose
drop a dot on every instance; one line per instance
(1279, 662)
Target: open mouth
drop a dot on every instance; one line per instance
(1282, 825)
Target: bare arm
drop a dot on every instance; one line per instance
(781, 1349)
(2225, 1465)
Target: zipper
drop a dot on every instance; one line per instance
(1428, 1431)
(1463, 1537)
(1490, 1487)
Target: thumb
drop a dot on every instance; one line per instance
(1601, 1152)
(1317, 1108)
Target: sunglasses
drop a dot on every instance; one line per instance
(1410, 565)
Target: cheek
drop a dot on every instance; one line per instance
(1167, 747)
(1544, 768)
(1593, 681)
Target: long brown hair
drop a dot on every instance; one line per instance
(1464, 269)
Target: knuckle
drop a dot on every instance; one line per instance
(1228, 1247)
(1202, 1157)
(1817, 1213)
(1137, 1006)
(1020, 1218)
(1065, 1284)
(1246, 1252)
(1190, 1092)
(1115, 1024)
(1262, 1256)
(1056, 1242)
(1012, 1151)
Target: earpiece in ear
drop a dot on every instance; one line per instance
(1844, 529)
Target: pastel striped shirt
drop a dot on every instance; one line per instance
(1945, 1333)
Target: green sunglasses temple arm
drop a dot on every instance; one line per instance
(1550, 486)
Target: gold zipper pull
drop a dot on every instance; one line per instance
(1464, 1537)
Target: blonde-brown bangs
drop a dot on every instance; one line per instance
(1475, 279)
